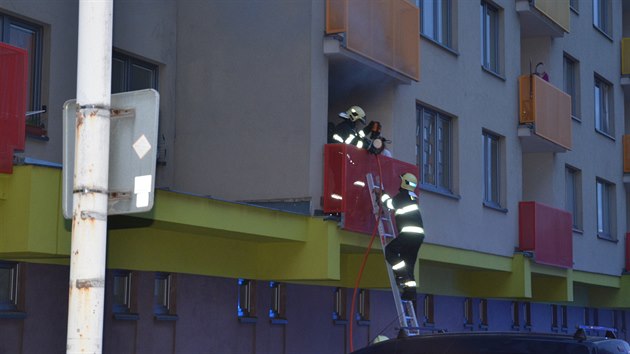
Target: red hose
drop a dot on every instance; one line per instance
(365, 257)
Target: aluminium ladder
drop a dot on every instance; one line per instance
(406, 311)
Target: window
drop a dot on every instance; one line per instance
(340, 312)
(436, 20)
(429, 310)
(574, 5)
(516, 315)
(571, 83)
(9, 275)
(123, 299)
(490, 37)
(434, 149)
(130, 74)
(468, 312)
(246, 306)
(164, 296)
(527, 310)
(554, 318)
(587, 316)
(483, 314)
(277, 312)
(602, 18)
(363, 315)
(491, 170)
(27, 36)
(604, 122)
(604, 209)
(573, 188)
(565, 318)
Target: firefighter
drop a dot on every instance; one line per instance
(371, 135)
(346, 131)
(402, 252)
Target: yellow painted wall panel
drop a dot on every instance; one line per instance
(557, 11)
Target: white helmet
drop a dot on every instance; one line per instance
(354, 113)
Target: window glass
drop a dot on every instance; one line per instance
(491, 169)
(436, 20)
(131, 74)
(603, 209)
(603, 102)
(435, 149)
(574, 196)
(161, 293)
(601, 15)
(490, 37)
(121, 288)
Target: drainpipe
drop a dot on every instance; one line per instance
(91, 166)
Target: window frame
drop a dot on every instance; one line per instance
(603, 106)
(483, 314)
(605, 200)
(468, 312)
(490, 16)
(441, 147)
(165, 308)
(573, 195)
(571, 83)
(429, 310)
(13, 304)
(128, 309)
(445, 9)
(492, 172)
(35, 68)
(527, 315)
(128, 61)
(340, 306)
(363, 309)
(516, 315)
(575, 6)
(277, 310)
(602, 19)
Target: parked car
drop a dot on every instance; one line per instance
(500, 343)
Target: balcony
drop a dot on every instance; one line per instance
(545, 116)
(544, 17)
(626, 159)
(345, 190)
(547, 233)
(627, 269)
(13, 74)
(381, 34)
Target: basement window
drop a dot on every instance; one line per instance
(246, 302)
(340, 311)
(277, 312)
(11, 291)
(363, 315)
(124, 296)
(468, 312)
(164, 296)
(429, 310)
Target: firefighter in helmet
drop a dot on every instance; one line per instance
(402, 252)
(346, 132)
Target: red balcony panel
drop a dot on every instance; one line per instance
(13, 80)
(628, 252)
(343, 166)
(547, 232)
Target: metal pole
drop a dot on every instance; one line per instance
(91, 166)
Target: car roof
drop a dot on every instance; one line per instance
(497, 343)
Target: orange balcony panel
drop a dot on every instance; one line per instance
(345, 188)
(547, 232)
(13, 86)
(544, 17)
(383, 31)
(546, 111)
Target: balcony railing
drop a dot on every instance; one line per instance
(345, 187)
(547, 232)
(544, 17)
(546, 113)
(13, 80)
(384, 31)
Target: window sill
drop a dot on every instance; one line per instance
(440, 45)
(516, 327)
(363, 322)
(603, 33)
(493, 73)
(578, 231)
(607, 237)
(166, 317)
(278, 321)
(12, 315)
(495, 207)
(428, 324)
(248, 319)
(127, 316)
(483, 327)
(340, 322)
(469, 326)
(575, 11)
(576, 119)
(443, 192)
(603, 133)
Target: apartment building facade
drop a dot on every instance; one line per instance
(522, 175)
